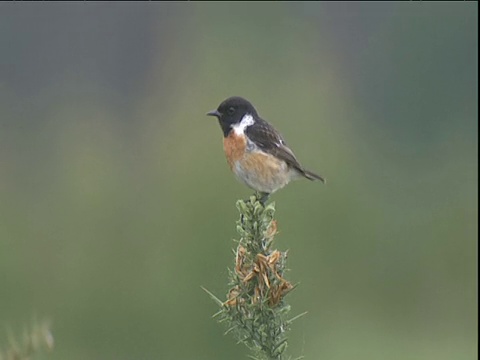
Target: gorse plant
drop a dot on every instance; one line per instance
(255, 309)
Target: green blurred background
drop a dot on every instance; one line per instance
(116, 203)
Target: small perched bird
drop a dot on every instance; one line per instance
(256, 152)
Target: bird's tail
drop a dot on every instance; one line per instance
(312, 176)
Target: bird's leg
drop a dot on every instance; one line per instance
(263, 197)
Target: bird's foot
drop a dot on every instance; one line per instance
(262, 197)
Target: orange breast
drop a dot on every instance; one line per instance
(260, 171)
(234, 146)
(263, 167)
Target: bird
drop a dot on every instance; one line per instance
(256, 152)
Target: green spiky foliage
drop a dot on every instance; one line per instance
(255, 310)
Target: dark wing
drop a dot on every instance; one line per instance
(270, 141)
(263, 135)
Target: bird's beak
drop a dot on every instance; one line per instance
(214, 113)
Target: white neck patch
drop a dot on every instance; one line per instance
(246, 121)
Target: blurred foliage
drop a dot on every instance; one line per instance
(107, 164)
(33, 344)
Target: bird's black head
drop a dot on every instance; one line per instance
(231, 111)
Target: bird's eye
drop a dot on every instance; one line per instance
(231, 110)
